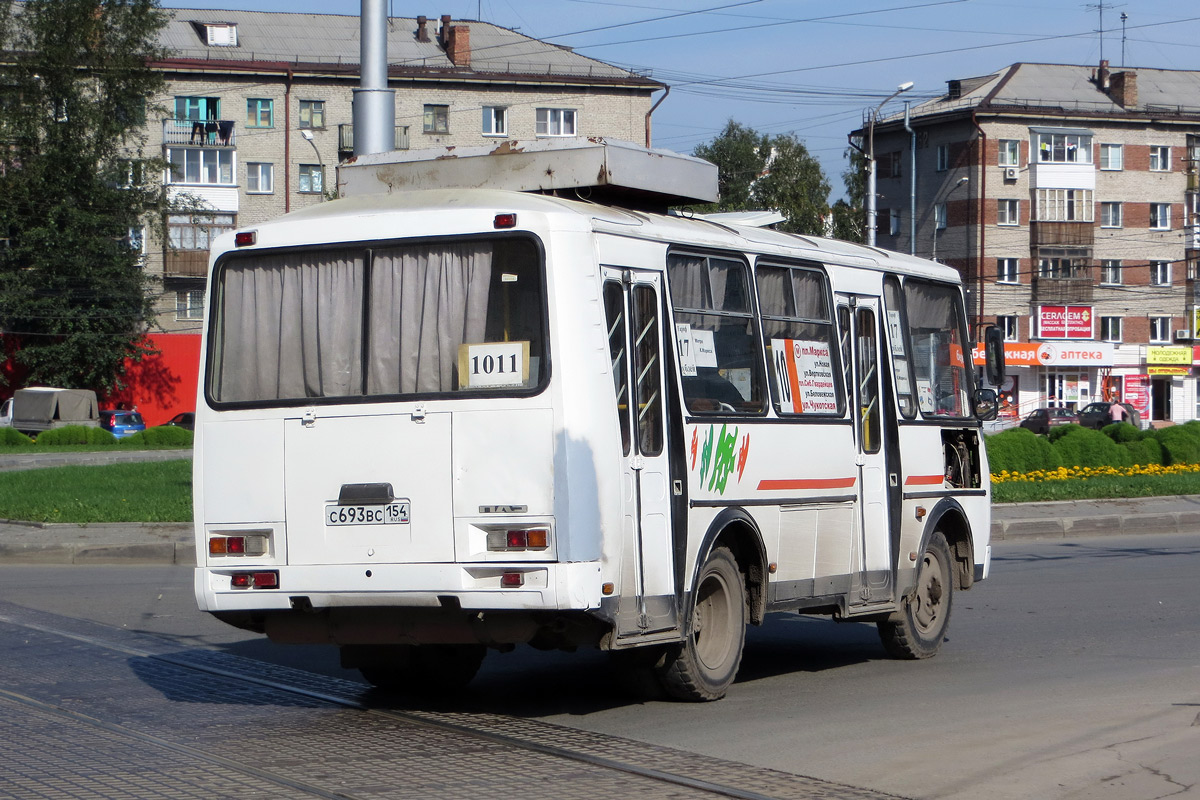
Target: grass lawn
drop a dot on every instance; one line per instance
(159, 491)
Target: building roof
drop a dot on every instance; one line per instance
(1070, 90)
(332, 40)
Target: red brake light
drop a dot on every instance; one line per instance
(505, 221)
(266, 580)
(237, 544)
(511, 580)
(240, 580)
(245, 238)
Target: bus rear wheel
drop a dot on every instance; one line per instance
(918, 628)
(414, 669)
(704, 666)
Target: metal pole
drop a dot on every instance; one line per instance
(912, 182)
(904, 87)
(374, 109)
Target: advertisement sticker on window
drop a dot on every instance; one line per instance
(805, 374)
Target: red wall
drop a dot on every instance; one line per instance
(162, 385)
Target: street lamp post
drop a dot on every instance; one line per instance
(904, 87)
(308, 137)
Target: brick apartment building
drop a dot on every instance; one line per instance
(258, 116)
(1068, 198)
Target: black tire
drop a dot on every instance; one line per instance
(918, 628)
(422, 669)
(705, 664)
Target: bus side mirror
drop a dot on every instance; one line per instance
(993, 355)
(987, 404)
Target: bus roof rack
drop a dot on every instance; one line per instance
(607, 171)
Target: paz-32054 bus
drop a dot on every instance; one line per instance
(437, 422)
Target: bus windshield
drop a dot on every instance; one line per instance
(428, 318)
(935, 327)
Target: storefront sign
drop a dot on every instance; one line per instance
(1168, 355)
(1169, 370)
(1064, 322)
(1047, 354)
(1137, 393)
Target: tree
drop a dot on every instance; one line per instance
(76, 186)
(757, 171)
(849, 215)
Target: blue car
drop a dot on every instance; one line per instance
(121, 423)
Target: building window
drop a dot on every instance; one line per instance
(197, 108)
(205, 166)
(1007, 270)
(189, 304)
(888, 165)
(312, 178)
(555, 122)
(943, 157)
(312, 113)
(260, 178)
(1064, 205)
(1160, 329)
(1160, 158)
(495, 121)
(1110, 272)
(437, 119)
(196, 231)
(1112, 156)
(1160, 273)
(1010, 152)
(221, 34)
(260, 113)
(1058, 268)
(894, 222)
(939, 216)
(1160, 216)
(1110, 329)
(1064, 148)
(1110, 215)
(1008, 212)
(1009, 326)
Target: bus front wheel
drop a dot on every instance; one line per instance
(705, 664)
(918, 628)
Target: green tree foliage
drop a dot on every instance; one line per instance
(76, 186)
(849, 215)
(757, 171)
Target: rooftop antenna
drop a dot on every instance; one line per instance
(1124, 17)
(1100, 6)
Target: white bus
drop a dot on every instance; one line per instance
(436, 422)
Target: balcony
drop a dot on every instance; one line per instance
(1062, 234)
(202, 133)
(185, 264)
(1071, 289)
(346, 139)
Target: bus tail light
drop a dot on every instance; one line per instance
(512, 580)
(256, 580)
(248, 545)
(519, 539)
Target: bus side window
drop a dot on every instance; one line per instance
(618, 350)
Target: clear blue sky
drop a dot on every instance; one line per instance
(811, 67)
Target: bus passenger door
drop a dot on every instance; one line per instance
(633, 307)
(858, 323)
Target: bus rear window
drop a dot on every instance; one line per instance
(448, 316)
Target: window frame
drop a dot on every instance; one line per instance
(1160, 216)
(435, 118)
(1160, 273)
(203, 227)
(943, 158)
(260, 168)
(940, 216)
(490, 115)
(1009, 154)
(1056, 148)
(1107, 149)
(1006, 275)
(309, 170)
(1160, 158)
(1010, 217)
(188, 311)
(554, 122)
(1160, 330)
(1010, 326)
(1107, 326)
(226, 174)
(255, 107)
(1111, 206)
(311, 114)
(1066, 205)
(1110, 267)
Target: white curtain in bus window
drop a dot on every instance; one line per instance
(898, 346)
(426, 301)
(799, 337)
(289, 326)
(715, 336)
(939, 364)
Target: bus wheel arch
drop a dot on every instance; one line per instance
(949, 518)
(736, 530)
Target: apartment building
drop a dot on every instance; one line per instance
(257, 116)
(1067, 196)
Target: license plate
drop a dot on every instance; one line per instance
(388, 514)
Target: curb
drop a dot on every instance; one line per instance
(1107, 525)
(23, 542)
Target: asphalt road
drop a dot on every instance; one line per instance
(1073, 672)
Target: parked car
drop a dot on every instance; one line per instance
(1097, 415)
(43, 408)
(121, 423)
(1040, 420)
(185, 420)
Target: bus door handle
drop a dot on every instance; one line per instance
(310, 417)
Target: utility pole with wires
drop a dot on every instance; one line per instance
(1124, 18)
(1100, 6)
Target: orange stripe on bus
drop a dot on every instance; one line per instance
(924, 480)
(806, 483)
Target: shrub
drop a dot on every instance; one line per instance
(75, 434)
(1145, 450)
(1180, 443)
(161, 436)
(1121, 432)
(1020, 450)
(13, 437)
(1082, 447)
